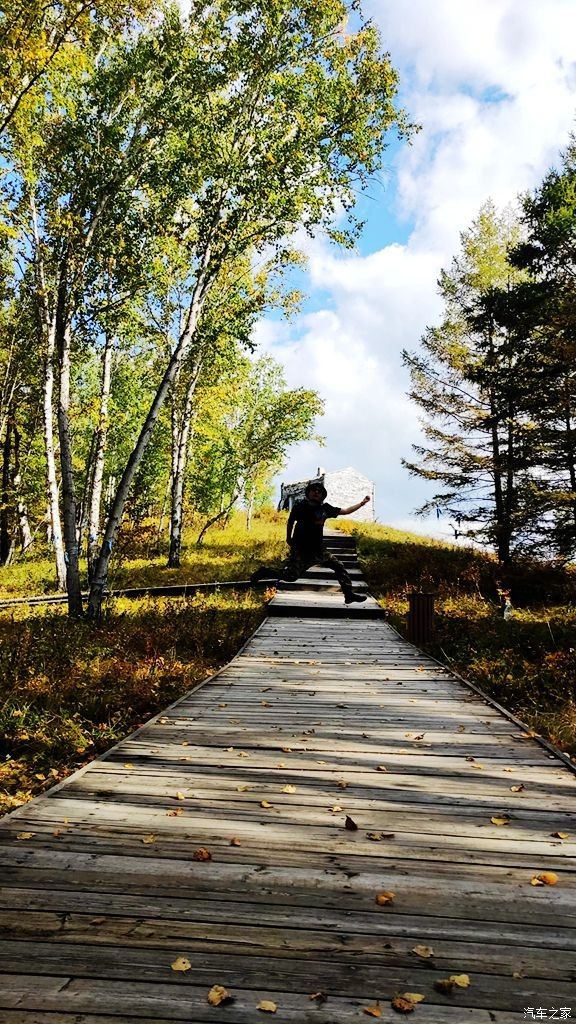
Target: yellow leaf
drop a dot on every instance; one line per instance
(516, 789)
(372, 1011)
(267, 1006)
(266, 803)
(500, 820)
(25, 835)
(414, 997)
(180, 795)
(384, 897)
(289, 789)
(560, 835)
(181, 964)
(242, 789)
(461, 980)
(128, 765)
(235, 841)
(149, 839)
(336, 809)
(42, 778)
(218, 994)
(545, 878)
(381, 768)
(423, 951)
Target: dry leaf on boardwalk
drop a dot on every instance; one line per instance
(560, 835)
(336, 809)
(265, 803)
(377, 837)
(350, 824)
(128, 766)
(235, 841)
(406, 1002)
(318, 997)
(372, 1011)
(243, 789)
(423, 951)
(267, 1006)
(460, 980)
(175, 813)
(383, 898)
(25, 835)
(218, 995)
(98, 920)
(516, 789)
(202, 854)
(381, 768)
(181, 964)
(545, 878)
(342, 784)
(500, 819)
(288, 789)
(149, 839)
(180, 795)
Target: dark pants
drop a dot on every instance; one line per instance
(300, 561)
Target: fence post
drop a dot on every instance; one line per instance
(420, 617)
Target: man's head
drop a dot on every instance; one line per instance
(315, 491)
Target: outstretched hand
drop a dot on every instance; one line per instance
(366, 499)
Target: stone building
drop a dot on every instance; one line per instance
(345, 487)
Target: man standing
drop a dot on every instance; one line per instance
(305, 538)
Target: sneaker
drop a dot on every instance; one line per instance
(352, 595)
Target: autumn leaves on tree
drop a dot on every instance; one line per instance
(158, 168)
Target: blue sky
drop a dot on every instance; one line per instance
(493, 84)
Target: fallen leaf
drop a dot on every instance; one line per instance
(180, 796)
(381, 768)
(162, 721)
(336, 809)
(202, 854)
(98, 920)
(266, 803)
(181, 964)
(545, 878)
(500, 819)
(25, 835)
(287, 750)
(267, 1006)
(342, 784)
(128, 766)
(384, 897)
(350, 824)
(516, 789)
(414, 997)
(372, 1011)
(403, 1005)
(265, 703)
(318, 997)
(377, 837)
(243, 789)
(560, 835)
(423, 951)
(175, 813)
(476, 765)
(460, 980)
(218, 995)
(518, 974)
(149, 839)
(235, 841)
(289, 789)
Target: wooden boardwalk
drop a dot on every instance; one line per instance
(318, 720)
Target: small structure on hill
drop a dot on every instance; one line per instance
(345, 487)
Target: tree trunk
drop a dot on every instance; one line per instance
(26, 537)
(101, 438)
(250, 507)
(51, 480)
(68, 489)
(111, 530)
(182, 428)
(5, 538)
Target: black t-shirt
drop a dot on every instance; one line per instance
(310, 518)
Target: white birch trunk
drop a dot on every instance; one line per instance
(183, 430)
(68, 490)
(99, 457)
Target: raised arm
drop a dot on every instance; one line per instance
(354, 508)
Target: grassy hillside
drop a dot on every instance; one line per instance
(70, 690)
(528, 662)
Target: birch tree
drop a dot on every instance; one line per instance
(291, 121)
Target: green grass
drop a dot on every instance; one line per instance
(71, 689)
(528, 662)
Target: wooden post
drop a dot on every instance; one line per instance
(420, 617)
